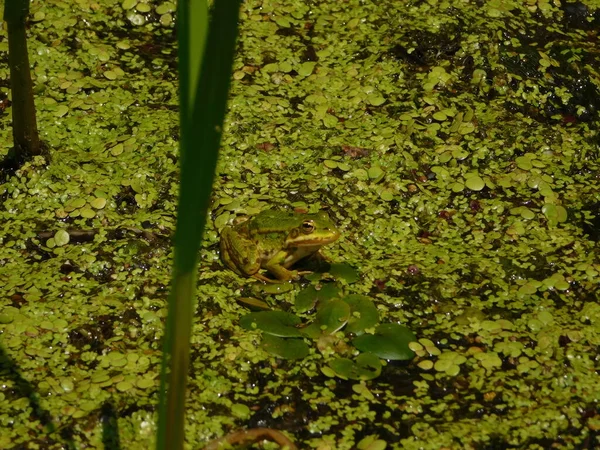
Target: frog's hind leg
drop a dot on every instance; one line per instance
(261, 277)
(240, 254)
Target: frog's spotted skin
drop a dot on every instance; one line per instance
(275, 240)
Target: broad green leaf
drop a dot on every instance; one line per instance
(285, 348)
(366, 367)
(390, 341)
(277, 323)
(363, 312)
(330, 318)
(308, 297)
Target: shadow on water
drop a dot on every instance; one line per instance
(23, 388)
(110, 427)
(9, 370)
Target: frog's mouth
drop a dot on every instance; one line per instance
(307, 241)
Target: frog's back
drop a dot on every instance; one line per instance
(271, 220)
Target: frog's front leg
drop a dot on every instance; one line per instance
(275, 266)
(239, 253)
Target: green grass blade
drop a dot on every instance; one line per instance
(203, 108)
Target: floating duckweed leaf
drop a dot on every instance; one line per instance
(327, 371)
(330, 121)
(98, 203)
(466, 128)
(445, 157)
(387, 195)
(331, 164)
(74, 204)
(308, 297)
(144, 383)
(143, 7)
(61, 237)
(100, 377)
(306, 68)
(526, 213)
(117, 149)
(475, 183)
(546, 317)
(165, 7)
(352, 23)
(124, 386)
(344, 272)
(523, 163)
(283, 22)
(530, 287)
(440, 116)
(271, 67)
(277, 323)
(285, 348)
(66, 384)
(459, 153)
(110, 75)
(469, 315)
(6, 318)
(556, 281)
(555, 213)
(88, 406)
(87, 212)
(330, 318)
(364, 313)
(488, 360)
(425, 364)
(457, 187)
(366, 367)
(390, 341)
(128, 4)
(449, 363)
(375, 173)
(240, 410)
(222, 220)
(285, 66)
(61, 110)
(371, 443)
(166, 20)
(376, 99)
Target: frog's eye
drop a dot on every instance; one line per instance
(308, 226)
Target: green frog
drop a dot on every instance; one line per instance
(275, 240)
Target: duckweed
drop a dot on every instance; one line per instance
(456, 153)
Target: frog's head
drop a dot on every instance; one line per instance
(312, 229)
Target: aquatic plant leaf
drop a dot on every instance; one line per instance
(345, 272)
(330, 318)
(285, 348)
(364, 313)
(390, 341)
(365, 367)
(308, 297)
(276, 323)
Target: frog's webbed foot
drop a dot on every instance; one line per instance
(282, 276)
(303, 272)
